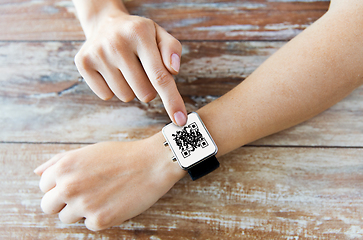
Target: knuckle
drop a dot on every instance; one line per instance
(98, 221)
(124, 94)
(106, 96)
(148, 97)
(43, 181)
(87, 205)
(67, 189)
(103, 220)
(85, 59)
(66, 181)
(162, 78)
(139, 28)
(82, 61)
(140, 24)
(47, 205)
(98, 53)
(127, 98)
(65, 219)
(91, 225)
(177, 44)
(44, 206)
(64, 165)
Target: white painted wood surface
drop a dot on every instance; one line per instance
(258, 193)
(302, 183)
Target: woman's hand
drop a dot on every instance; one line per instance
(130, 56)
(107, 183)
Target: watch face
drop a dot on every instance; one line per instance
(191, 143)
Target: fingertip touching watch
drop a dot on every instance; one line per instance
(192, 146)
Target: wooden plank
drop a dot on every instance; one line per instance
(42, 99)
(258, 192)
(208, 68)
(60, 119)
(37, 67)
(192, 20)
(233, 20)
(214, 68)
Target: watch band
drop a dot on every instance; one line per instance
(203, 168)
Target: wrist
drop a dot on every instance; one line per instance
(92, 14)
(163, 157)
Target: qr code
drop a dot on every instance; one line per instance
(189, 139)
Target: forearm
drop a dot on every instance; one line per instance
(311, 73)
(308, 75)
(90, 11)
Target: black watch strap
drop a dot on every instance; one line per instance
(203, 168)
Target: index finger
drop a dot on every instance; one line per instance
(164, 84)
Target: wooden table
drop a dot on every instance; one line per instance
(302, 183)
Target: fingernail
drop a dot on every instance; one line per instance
(180, 118)
(175, 62)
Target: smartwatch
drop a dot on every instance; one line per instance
(192, 146)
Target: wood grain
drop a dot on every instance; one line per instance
(208, 68)
(186, 20)
(43, 99)
(60, 119)
(258, 193)
(302, 183)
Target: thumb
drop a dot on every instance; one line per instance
(170, 49)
